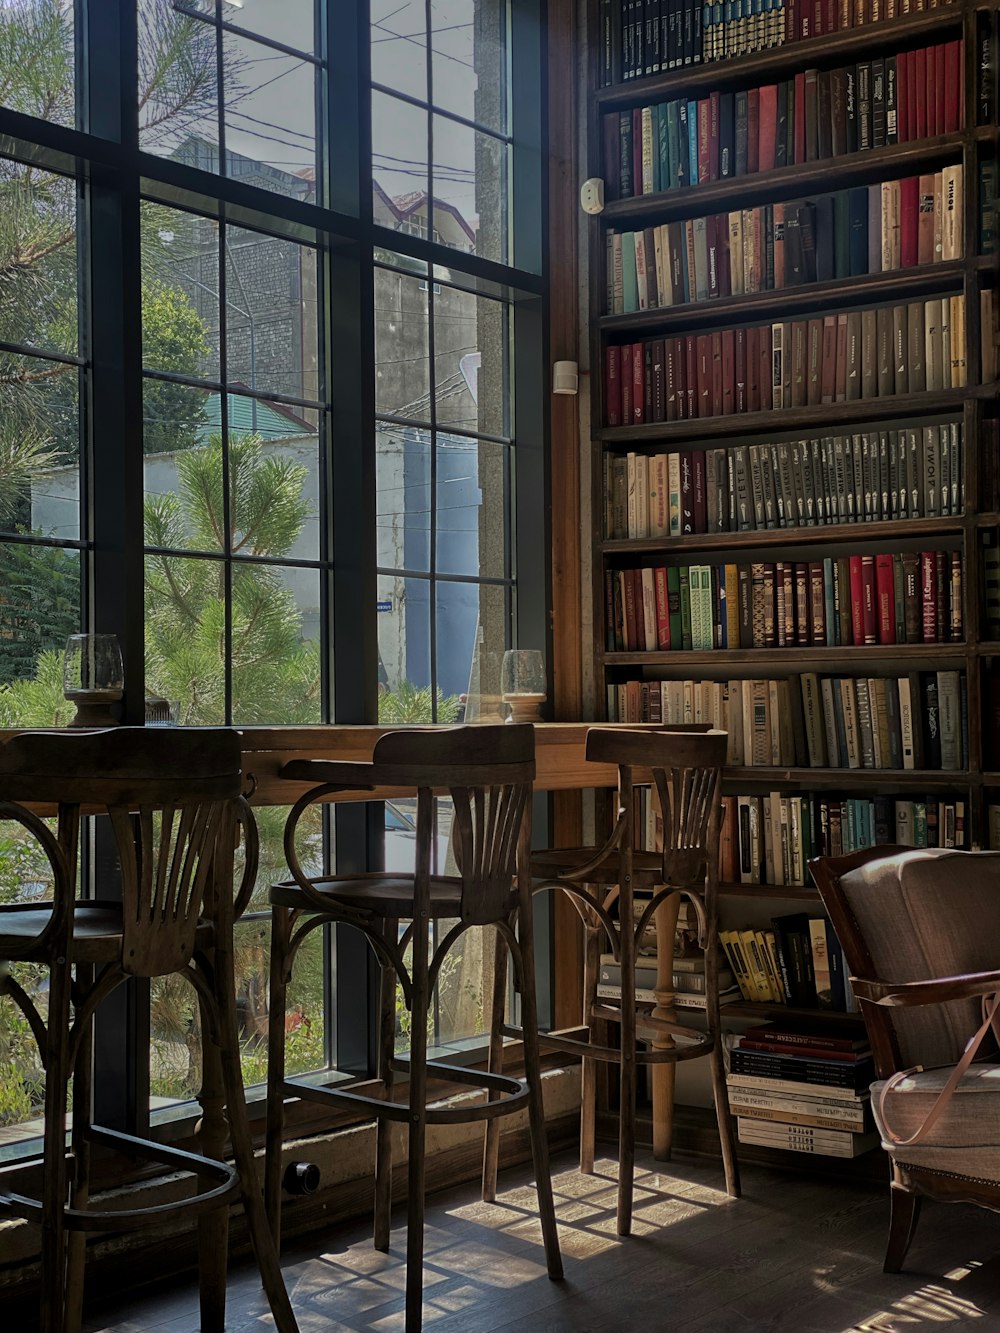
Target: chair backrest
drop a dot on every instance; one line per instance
(488, 772)
(171, 797)
(685, 766)
(909, 915)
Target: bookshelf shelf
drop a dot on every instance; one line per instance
(816, 419)
(896, 34)
(836, 173)
(754, 1011)
(814, 298)
(840, 803)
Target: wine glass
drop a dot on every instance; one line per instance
(522, 684)
(93, 678)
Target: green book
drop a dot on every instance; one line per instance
(674, 606)
(686, 640)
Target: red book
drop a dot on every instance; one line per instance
(659, 397)
(791, 22)
(613, 386)
(631, 620)
(740, 371)
(845, 1057)
(928, 596)
(952, 86)
(725, 261)
(716, 355)
(767, 126)
(704, 139)
(939, 87)
(868, 613)
(903, 132)
(765, 370)
(753, 369)
(914, 93)
(704, 374)
(920, 93)
(698, 485)
(857, 600)
(626, 384)
(840, 374)
(638, 384)
(687, 491)
(753, 130)
(792, 1037)
(662, 608)
(800, 117)
(909, 221)
(886, 599)
(713, 136)
(675, 392)
(691, 374)
(728, 372)
(805, 19)
(637, 151)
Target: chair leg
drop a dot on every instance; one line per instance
(281, 929)
(76, 1241)
(417, 1131)
(491, 1148)
(533, 1077)
(261, 1237)
(627, 1068)
(595, 1031)
(724, 1118)
(904, 1211)
(384, 1127)
(52, 1308)
(213, 1226)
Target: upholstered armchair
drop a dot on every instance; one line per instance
(920, 931)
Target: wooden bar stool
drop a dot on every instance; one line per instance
(488, 772)
(174, 805)
(685, 768)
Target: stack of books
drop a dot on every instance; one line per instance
(808, 1092)
(688, 982)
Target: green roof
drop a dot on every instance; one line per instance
(251, 414)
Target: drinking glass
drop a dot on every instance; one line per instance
(93, 678)
(522, 684)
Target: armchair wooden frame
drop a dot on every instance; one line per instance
(878, 998)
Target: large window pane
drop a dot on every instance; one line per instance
(180, 292)
(275, 652)
(399, 163)
(399, 45)
(270, 115)
(38, 257)
(402, 346)
(40, 608)
(469, 38)
(469, 188)
(37, 62)
(403, 463)
(186, 636)
(471, 478)
(178, 84)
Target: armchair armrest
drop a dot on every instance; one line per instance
(936, 990)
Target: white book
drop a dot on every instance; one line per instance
(649, 608)
(818, 1119)
(906, 721)
(795, 1086)
(674, 493)
(641, 496)
(662, 254)
(801, 1138)
(951, 190)
(659, 510)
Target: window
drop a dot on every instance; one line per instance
(271, 412)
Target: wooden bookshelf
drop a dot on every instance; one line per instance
(971, 407)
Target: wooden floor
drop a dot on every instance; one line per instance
(792, 1254)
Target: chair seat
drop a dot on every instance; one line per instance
(378, 893)
(97, 931)
(556, 861)
(966, 1138)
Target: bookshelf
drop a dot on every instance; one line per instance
(700, 307)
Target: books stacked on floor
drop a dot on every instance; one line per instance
(688, 981)
(805, 1091)
(797, 961)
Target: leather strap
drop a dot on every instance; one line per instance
(991, 1018)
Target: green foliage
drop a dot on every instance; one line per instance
(39, 607)
(37, 702)
(409, 705)
(36, 59)
(173, 338)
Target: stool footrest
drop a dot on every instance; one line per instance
(508, 1095)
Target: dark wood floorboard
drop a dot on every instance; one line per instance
(794, 1255)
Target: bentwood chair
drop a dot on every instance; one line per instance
(487, 771)
(172, 799)
(619, 891)
(920, 932)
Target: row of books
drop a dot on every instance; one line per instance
(802, 1090)
(989, 546)
(798, 962)
(687, 982)
(769, 839)
(870, 229)
(916, 472)
(861, 354)
(989, 467)
(816, 115)
(916, 721)
(639, 38)
(865, 599)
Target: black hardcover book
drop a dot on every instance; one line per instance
(769, 489)
(688, 30)
(674, 41)
(826, 245)
(985, 77)
(891, 102)
(931, 722)
(824, 114)
(638, 40)
(696, 34)
(794, 259)
(727, 135)
(652, 16)
(878, 103)
(625, 155)
(792, 935)
(807, 229)
(864, 101)
(858, 211)
(683, 146)
(804, 1069)
(768, 220)
(740, 132)
(851, 107)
